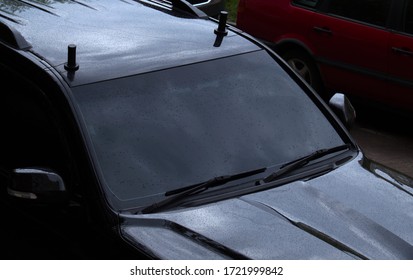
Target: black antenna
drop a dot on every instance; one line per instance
(71, 64)
(222, 30)
(187, 7)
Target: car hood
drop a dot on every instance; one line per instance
(351, 212)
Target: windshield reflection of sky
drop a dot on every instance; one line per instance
(173, 128)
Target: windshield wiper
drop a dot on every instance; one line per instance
(298, 163)
(180, 194)
(177, 195)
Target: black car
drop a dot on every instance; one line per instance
(210, 7)
(144, 129)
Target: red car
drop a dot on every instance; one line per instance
(363, 48)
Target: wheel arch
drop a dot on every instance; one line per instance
(285, 45)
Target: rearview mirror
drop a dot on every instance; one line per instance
(37, 184)
(343, 108)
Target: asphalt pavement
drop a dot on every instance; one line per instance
(385, 137)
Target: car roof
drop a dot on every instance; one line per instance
(115, 38)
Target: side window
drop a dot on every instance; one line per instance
(408, 17)
(30, 136)
(368, 11)
(306, 3)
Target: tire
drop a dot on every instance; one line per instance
(304, 65)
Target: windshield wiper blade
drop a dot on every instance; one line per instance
(298, 163)
(177, 195)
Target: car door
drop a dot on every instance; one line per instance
(29, 140)
(35, 137)
(401, 60)
(351, 40)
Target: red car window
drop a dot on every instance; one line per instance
(306, 3)
(368, 11)
(408, 18)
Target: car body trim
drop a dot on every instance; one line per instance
(130, 222)
(309, 229)
(375, 74)
(202, 3)
(219, 248)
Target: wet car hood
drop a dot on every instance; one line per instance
(348, 213)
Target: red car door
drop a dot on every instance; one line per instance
(401, 62)
(352, 46)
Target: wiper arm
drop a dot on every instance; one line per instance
(176, 195)
(298, 163)
(179, 194)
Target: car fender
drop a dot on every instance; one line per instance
(287, 41)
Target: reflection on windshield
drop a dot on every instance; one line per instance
(14, 7)
(164, 130)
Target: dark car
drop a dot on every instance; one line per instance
(210, 7)
(361, 47)
(141, 129)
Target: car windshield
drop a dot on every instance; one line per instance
(164, 130)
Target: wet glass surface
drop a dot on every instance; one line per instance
(173, 128)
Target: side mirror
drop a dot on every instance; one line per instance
(343, 108)
(41, 185)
